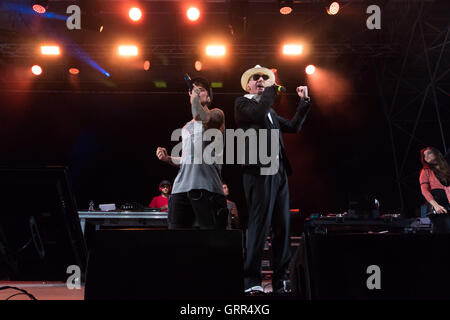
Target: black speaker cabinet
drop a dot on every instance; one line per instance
(40, 232)
(165, 265)
(373, 266)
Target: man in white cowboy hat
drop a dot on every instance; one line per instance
(267, 196)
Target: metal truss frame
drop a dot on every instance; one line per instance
(421, 89)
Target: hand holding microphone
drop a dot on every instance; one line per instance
(302, 92)
(280, 88)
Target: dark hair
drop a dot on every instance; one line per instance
(165, 183)
(199, 81)
(440, 168)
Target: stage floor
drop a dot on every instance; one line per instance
(56, 290)
(41, 291)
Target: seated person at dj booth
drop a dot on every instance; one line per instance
(435, 186)
(162, 201)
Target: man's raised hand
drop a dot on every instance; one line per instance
(162, 154)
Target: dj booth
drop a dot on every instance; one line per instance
(389, 223)
(150, 218)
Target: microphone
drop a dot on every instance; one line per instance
(188, 81)
(280, 88)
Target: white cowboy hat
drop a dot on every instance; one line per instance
(256, 69)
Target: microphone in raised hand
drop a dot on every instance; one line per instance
(280, 88)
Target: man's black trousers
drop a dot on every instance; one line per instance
(197, 208)
(268, 205)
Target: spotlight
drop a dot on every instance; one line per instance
(333, 8)
(198, 65)
(36, 70)
(146, 65)
(193, 13)
(286, 6)
(50, 50)
(215, 50)
(135, 14)
(74, 71)
(40, 6)
(128, 51)
(292, 49)
(310, 69)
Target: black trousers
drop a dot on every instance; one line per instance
(268, 205)
(441, 223)
(209, 210)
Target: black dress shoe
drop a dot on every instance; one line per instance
(285, 289)
(255, 293)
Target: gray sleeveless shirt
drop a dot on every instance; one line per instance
(194, 173)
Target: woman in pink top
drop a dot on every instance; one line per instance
(435, 185)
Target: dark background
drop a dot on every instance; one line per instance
(378, 110)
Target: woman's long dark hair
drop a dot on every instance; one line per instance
(443, 172)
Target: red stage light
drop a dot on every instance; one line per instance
(39, 9)
(286, 6)
(198, 65)
(193, 13)
(36, 70)
(146, 65)
(74, 71)
(285, 10)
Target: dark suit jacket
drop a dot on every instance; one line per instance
(251, 114)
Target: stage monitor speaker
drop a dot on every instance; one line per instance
(40, 233)
(373, 266)
(165, 265)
